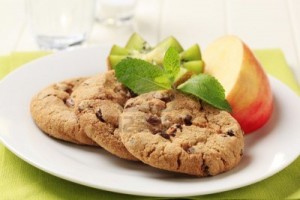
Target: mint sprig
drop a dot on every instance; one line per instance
(207, 88)
(171, 63)
(142, 77)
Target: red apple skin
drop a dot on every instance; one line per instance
(252, 101)
(250, 96)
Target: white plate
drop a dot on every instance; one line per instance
(268, 150)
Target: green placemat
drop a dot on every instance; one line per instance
(19, 180)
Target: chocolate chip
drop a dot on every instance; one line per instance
(69, 102)
(179, 126)
(99, 115)
(188, 120)
(167, 98)
(69, 90)
(201, 106)
(206, 169)
(164, 135)
(178, 163)
(153, 120)
(230, 133)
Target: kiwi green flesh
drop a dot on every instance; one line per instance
(190, 58)
(136, 42)
(113, 60)
(157, 54)
(117, 50)
(182, 76)
(192, 53)
(195, 66)
(169, 42)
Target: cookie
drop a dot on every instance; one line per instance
(53, 111)
(100, 101)
(176, 132)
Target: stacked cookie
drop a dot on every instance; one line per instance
(164, 129)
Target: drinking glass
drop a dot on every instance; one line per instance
(115, 12)
(59, 24)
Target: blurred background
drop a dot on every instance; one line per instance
(260, 23)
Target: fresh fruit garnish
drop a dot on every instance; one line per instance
(192, 60)
(246, 85)
(142, 77)
(137, 47)
(156, 55)
(136, 42)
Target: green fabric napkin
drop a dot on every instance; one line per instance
(16, 59)
(19, 180)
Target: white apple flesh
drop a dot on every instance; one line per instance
(246, 84)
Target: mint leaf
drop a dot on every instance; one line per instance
(171, 62)
(163, 79)
(139, 76)
(207, 88)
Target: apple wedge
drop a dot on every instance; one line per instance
(246, 84)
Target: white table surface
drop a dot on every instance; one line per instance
(260, 23)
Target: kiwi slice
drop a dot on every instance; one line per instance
(191, 59)
(136, 42)
(134, 48)
(157, 54)
(113, 60)
(195, 66)
(192, 53)
(117, 50)
(137, 47)
(182, 76)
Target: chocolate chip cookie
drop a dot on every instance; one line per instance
(53, 111)
(176, 132)
(100, 102)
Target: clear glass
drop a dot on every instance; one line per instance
(115, 12)
(59, 24)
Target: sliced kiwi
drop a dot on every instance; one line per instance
(156, 56)
(137, 47)
(113, 60)
(192, 53)
(191, 59)
(136, 42)
(196, 66)
(182, 76)
(117, 50)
